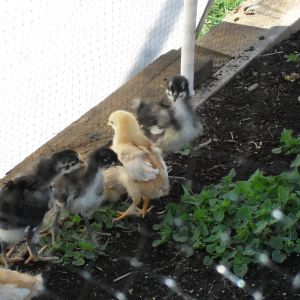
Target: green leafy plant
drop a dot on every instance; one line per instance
(186, 150)
(293, 57)
(236, 222)
(289, 143)
(73, 245)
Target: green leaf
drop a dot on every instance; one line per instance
(286, 135)
(96, 226)
(276, 243)
(289, 247)
(231, 195)
(296, 163)
(75, 219)
(277, 150)
(297, 246)
(68, 224)
(86, 245)
(240, 270)
(88, 255)
(185, 152)
(78, 261)
(199, 214)
(249, 251)
(278, 256)
(182, 235)
(220, 249)
(211, 248)
(260, 226)
(207, 260)
(243, 215)
(218, 215)
(157, 243)
(69, 246)
(187, 250)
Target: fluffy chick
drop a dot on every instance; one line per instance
(19, 286)
(175, 124)
(81, 191)
(144, 173)
(25, 200)
(155, 117)
(113, 185)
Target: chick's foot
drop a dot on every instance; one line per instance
(36, 256)
(131, 211)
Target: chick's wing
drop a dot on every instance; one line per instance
(136, 164)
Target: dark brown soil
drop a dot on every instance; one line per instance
(244, 126)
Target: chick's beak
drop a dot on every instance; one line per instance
(118, 163)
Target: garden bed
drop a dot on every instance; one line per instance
(244, 127)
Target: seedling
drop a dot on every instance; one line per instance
(289, 143)
(293, 57)
(186, 150)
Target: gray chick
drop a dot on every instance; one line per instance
(81, 192)
(170, 123)
(25, 200)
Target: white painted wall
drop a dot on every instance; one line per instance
(60, 58)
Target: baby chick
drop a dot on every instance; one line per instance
(144, 173)
(173, 125)
(113, 185)
(19, 286)
(25, 200)
(155, 117)
(81, 192)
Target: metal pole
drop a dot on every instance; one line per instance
(188, 41)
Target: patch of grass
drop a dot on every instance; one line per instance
(218, 12)
(238, 222)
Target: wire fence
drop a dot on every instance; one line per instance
(59, 59)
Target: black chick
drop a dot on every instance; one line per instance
(81, 192)
(25, 200)
(175, 124)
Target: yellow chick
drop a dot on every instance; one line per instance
(19, 286)
(144, 173)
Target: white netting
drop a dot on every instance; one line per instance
(58, 59)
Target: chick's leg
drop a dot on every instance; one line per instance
(132, 210)
(145, 208)
(55, 227)
(88, 229)
(35, 255)
(5, 259)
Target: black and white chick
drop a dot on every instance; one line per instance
(170, 123)
(81, 192)
(25, 200)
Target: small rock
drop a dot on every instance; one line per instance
(262, 37)
(114, 260)
(299, 98)
(236, 19)
(253, 87)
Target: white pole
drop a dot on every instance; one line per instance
(188, 41)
